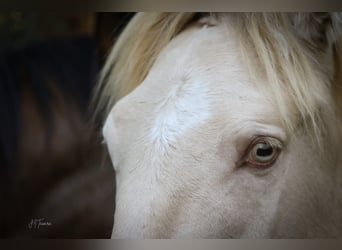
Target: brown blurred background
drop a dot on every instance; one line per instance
(55, 177)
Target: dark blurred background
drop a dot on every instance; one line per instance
(56, 180)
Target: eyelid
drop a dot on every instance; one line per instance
(250, 130)
(270, 139)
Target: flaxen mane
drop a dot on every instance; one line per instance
(288, 47)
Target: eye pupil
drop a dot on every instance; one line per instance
(264, 151)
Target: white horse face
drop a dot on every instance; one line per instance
(199, 150)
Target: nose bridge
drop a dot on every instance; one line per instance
(147, 205)
(146, 211)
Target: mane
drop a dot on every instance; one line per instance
(134, 54)
(286, 50)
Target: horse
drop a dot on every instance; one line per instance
(225, 125)
(56, 180)
(50, 151)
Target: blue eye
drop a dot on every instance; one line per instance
(263, 152)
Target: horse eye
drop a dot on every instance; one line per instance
(263, 152)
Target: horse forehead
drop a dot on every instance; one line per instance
(206, 51)
(202, 66)
(199, 71)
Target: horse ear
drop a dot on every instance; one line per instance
(320, 30)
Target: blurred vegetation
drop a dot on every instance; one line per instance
(17, 29)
